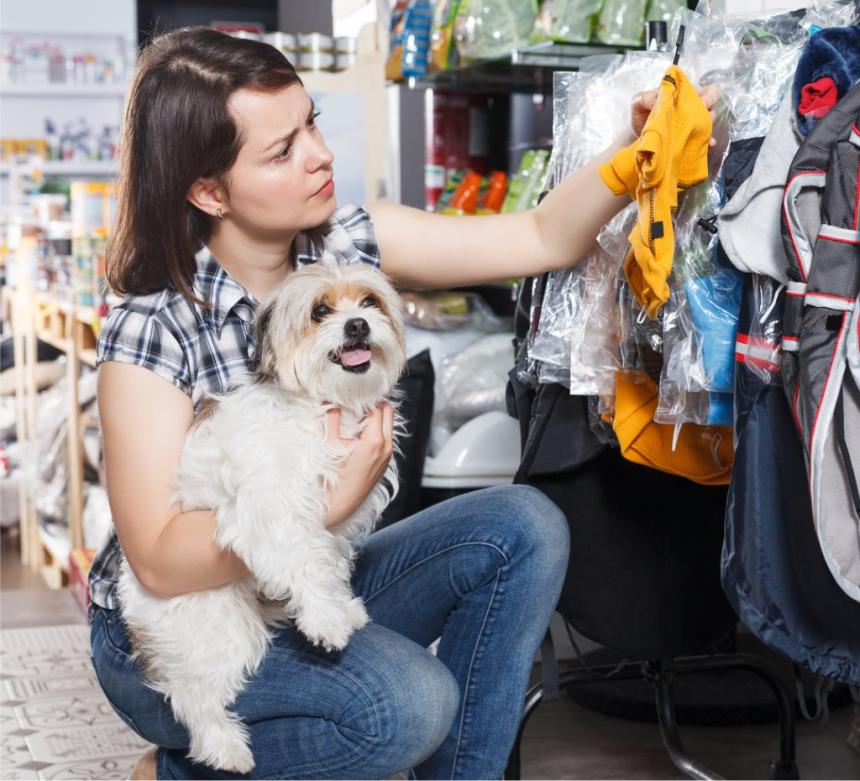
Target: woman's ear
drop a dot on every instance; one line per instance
(208, 196)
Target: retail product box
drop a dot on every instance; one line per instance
(93, 205)
(80, 561)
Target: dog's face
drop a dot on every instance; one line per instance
(333, 332)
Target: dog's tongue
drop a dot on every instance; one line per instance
(354, 357)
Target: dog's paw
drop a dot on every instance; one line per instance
(331, 627)
(357, 613)
(224, 747)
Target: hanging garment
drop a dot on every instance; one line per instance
(773, 572)
(670, 155)
(749, 224)
(828, 67)
(821, 209)
(702, 454)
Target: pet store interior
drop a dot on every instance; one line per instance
(696, 415)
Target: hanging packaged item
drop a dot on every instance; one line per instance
(567, 21)
(394, 64)
(621, 22)
(416, 38)
(702, 454)
(485, 29)
(670, 155)
(822, 243)
(443, 52)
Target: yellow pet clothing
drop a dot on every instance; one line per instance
(703, 454)
(670, 155)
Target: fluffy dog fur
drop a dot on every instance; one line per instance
(259, 457)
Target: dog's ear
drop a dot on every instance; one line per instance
(263, 367)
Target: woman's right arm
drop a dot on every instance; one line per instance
(144, 421)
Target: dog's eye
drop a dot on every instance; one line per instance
(369, 301)
(320, 312)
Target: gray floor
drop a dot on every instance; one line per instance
(562, 740)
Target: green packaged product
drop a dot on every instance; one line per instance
(525, 187)
(567, 21)
(622, 22)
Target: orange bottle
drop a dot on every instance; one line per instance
(496, 191)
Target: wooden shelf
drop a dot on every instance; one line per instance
(64, 90)
(96, 168)
(73, 330)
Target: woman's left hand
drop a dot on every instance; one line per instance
(643, 102)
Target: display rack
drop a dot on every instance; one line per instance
(72, 330)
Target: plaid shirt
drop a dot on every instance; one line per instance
(199, 350)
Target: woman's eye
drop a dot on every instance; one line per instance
(369, 301)
(284, 153)
(320, 312)
(313, 119)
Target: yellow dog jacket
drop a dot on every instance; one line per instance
(703, 454)
(670, 155)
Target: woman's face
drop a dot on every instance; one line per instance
(282, 178)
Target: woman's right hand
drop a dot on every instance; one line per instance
(365, 465)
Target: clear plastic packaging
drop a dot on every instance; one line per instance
(485, 29)
(621, 22)
(448, 311)
(571, 21)
(471, 383)
(578, 337)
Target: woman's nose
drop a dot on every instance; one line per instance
(321, 156)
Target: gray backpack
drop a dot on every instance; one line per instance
(821, 328)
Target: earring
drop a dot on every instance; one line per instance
(220, 213)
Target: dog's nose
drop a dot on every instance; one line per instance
(356, 328)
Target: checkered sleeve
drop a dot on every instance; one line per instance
(352, 237)
(129, 336)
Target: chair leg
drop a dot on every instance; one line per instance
(534, 697)
(786, 766)
(669, 727)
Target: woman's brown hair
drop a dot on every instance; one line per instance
(177, 128)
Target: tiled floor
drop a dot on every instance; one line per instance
(55, 723)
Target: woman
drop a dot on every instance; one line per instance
(226, 186)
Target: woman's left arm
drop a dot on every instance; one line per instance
(422, 250)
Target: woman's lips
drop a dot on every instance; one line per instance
(326, 190)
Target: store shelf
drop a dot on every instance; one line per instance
(99, 168)
(64, 90)
(527, 69)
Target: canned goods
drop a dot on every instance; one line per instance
(286, 42)
(315, 61)
(345, 44)
(315, 42)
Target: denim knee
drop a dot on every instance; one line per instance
(415, 700)
(536, 524)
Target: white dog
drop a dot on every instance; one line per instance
(330, 336)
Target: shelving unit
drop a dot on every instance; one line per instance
(93, 168)
(526, 69)
(64, 90)
(72, 330)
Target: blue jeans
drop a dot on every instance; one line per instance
(483, 571)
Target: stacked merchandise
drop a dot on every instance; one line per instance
(428, 37)
(93, 205)
(715, 329)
